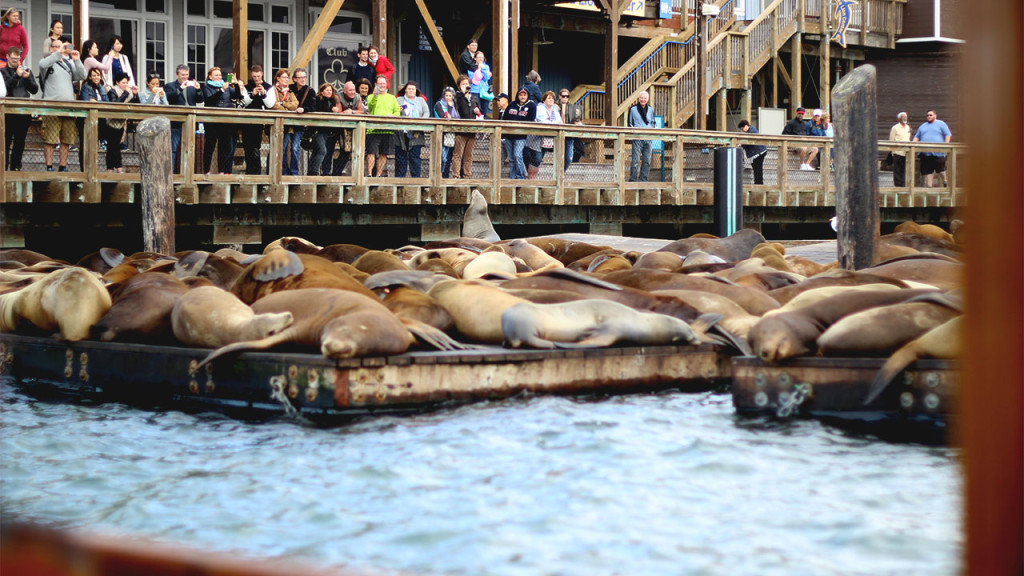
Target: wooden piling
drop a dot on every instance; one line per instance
(153, 136)
(856, 161)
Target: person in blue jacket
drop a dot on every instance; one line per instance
(641, 115)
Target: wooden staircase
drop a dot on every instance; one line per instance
(666, 65)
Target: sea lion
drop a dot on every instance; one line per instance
(70, 300)
(806, 267)
(566, 251)
(421, 280)
(347, 253)
(534, 257)
(280, 270)
(437, 266)
(923, 243)
(773, 254)
(942, 274)
(664, 261)
(732, 248)
(777, 337)
(476, 307)
(754, 272)
(838, 277)
(754, 301)
(141, 309)
(374, 261)
(880, 331)
(340, 323)
(584, 263)
(102, 260)
(231, 254)
(476, 223)
(221, 272)
(211, 317)
(412, 304)
(473, 244)
(607, 264)
(734, 318)
(930, 230)
(943, 341)
(815, 295)
(457, 258)
(589, 324)
(490, 262)
(26, 257)
(293, 244)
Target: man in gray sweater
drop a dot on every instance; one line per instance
(57, 73)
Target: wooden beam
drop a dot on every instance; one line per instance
(240, 38)
(796, 92)
(856, 161)
(611, 67)
(497, 53)
(438, 42)
(79, 22)
(781, 69)
(513, 58)
(380, 25)
(556, 22)
(825, 58)
(316, 35)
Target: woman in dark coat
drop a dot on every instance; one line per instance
(220, 94)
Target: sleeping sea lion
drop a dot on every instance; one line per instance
(26, 257)
(476, 223)
(293, 244)
(754, 301)
(281, 270)
(589, 324)
(942, 274)
(943, 341)
(221, 272)
(732, 248)
(534, 257)
(664, 261)
(413, 304)
(141, 309)
(837, 277)
(566, 251)
(734, 318)
(930, 230)
(374, 261)
(880, 331)
(347, 253)
(102, 260)
(70, 300)
(584, 263)
(476, 307)
(211, 317)
(922, 243)
(489, 262)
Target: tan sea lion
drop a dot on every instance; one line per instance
(754, 272)
(374, 261)
(422, 280)
(942, 274)
(437, 266)
(815, 295)
(457, 258)
(141, 309)
(231, 254)
(664, 261)
(211, 317)
(476, 223)
(589, 324)
(221, 272)
(880, 331)
(806, 267)
(754, 301)
(26, 257)
(472, 244)
(922, 243)
(732, 248)
(566, 251)
(734, 318)
(930, 230)
(340, 323)
(70, 300)
(534, 257)
(780, 336)
(607, 264)
(837, 277)
(102, 260)
(584, 263)
(943, 341)
(773, 254)
(280, 270)
(476, 307)
(293, 244)
(490, 262)
(409, 303)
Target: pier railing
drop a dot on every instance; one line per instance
(681, 168)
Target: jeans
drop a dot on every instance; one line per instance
(175, 143)
(570, 150)
(316, 159)
(446, 160)
(517, 168)
(641, 164)
(290, 165)
(328, 161)
(223, 137)
(410, 158)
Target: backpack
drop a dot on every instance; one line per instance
(42, 80)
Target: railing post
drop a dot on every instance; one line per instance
(783, 171)
(911, 171)
(558, 163)
(359, 151)
(617, 161)
(496, 163)
(187, 152)
(678, 165)
(436, 155)
(274, 163)
(90, 147)
(3, 154)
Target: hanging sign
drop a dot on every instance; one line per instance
(636, 7)
(842, 17)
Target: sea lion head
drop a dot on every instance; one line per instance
(775, 338)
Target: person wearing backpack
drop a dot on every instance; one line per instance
(57, 74)
(19, 83)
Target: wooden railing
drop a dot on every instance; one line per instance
(681, 168)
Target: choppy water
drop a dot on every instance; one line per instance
(670, 483)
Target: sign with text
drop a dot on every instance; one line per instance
(636, 7)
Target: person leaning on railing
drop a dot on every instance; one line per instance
(304, 95)
(349, 102)
(181, 92)
(522, 109)
(380, 142)
(469, 108)
(445, 108)
(19, 83)
(756, 153)
(325, 101)
(220, 94)
(125, 93)
(537, 146)
(258, 95)
(409, 143)
(153, 92)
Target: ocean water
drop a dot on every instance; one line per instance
(666, 483)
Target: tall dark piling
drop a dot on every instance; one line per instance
(856, 162)
(153, 136)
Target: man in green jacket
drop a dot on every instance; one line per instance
(380, 142)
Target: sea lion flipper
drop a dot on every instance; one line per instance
(261, 344)
(428, 334)
(277, 264)
(896, 363)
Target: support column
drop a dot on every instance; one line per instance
(825, 59)
(723, 109)
(380, 25)
(240, 38)
(701, 74)
(611, 64)
(499, 30)
(514, 77)
(796, 96)
(80, 22)
(746, 96)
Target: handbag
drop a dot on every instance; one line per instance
(306, 143)
(485, 91)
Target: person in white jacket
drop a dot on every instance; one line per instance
(115, 63)
(547, 113)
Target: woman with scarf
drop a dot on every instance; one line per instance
(118, 63)
(124, 93)
(219, 94)
(445, 108)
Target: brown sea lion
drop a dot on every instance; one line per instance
(942, 274)
(476, 307)
(422, 280)
(26, 257)
(880, 331)
(795, 333)
(409, 303)
(566, 251)
(123, 271)
(732, 248)
(374, 261)
(754, 301)
(734, 318)
(815, 295)
(806, 267)
(280, 270)
(70, 300)
(589, 324)
(231, 254)
(836, 277)
(476, 223)
(293, 244)
(340, 323)
(930, 230)
(943, 341)
(437, 266)
(457, 258)
(472, 244)
(490, 262)
(534, 257)
(664, 261)
(923, 243)
(773, 254)
(211, 317)
(102, 260)
(607, 264)
(221, 272)
(141, 309)
(754, 272)
(583, 264)
(347, 253)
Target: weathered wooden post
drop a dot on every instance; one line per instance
(153, 136)
(856, 160)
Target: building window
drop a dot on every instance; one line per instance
(196, 51)
(156, 48)
(222, 9)
(196, 7)
(156, 6)
(129, 5)
(346, 25)
(280, 15)
(279, 50)
(256, 13)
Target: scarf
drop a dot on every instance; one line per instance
(643, 111)
(215, 83)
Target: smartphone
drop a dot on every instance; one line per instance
(231, 77)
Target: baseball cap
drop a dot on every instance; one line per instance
(800, 110)
(523, 89)
(817, 112)
(502, 95)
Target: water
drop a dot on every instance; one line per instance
(667, 483)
